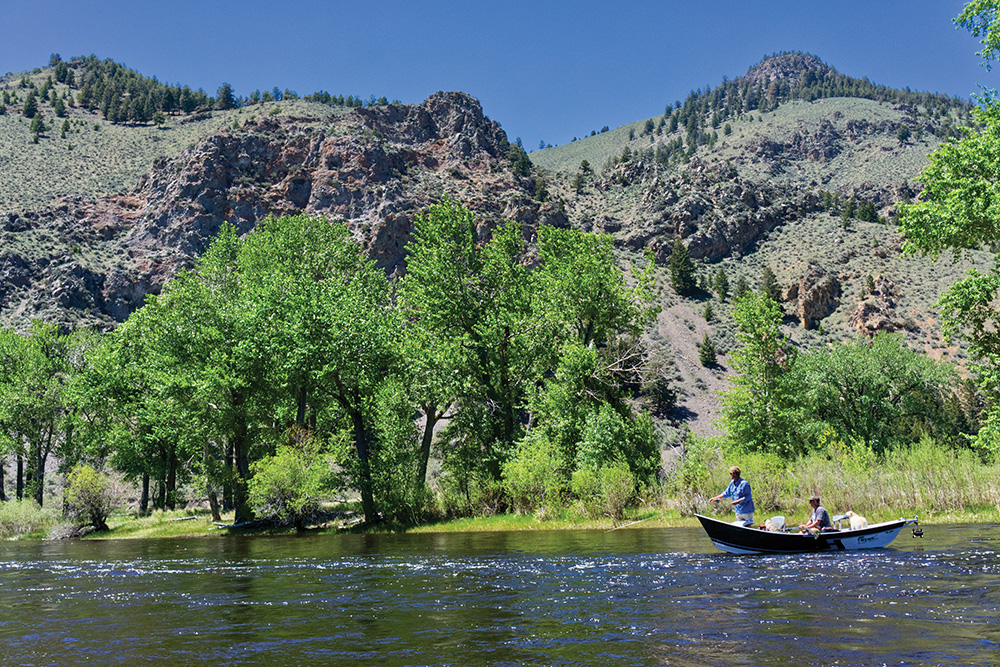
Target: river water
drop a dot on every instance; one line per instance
(626, 597)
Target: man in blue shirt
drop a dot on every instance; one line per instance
(739, 491)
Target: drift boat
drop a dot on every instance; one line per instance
(739, 539)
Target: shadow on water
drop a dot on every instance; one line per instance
(627, 597)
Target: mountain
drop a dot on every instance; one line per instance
(757, 173)
(86, 259)
(793, 167)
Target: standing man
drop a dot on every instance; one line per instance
(739, 491)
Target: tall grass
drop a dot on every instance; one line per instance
(927, 479)
(23, 518)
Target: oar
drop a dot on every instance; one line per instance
(626, 525)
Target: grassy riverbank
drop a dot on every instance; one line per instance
(185, 524)
(938, 484)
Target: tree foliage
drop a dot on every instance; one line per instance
(284, 366)
(759, 409)
(982, 19)
(878, 392)
(958, 210)
(537, 351)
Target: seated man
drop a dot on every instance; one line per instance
(819, 520)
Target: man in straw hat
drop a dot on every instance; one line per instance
(739, 491)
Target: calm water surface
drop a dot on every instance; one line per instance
(628, 597)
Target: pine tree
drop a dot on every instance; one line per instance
(37, 126)
(769, 285)
(707, 354)
(30, 105)
(682, 277)
(721, 285)
(741, 288)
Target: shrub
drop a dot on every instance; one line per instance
(534, 477)
(21, 517)
(608, 436)
(587, 489)
(287, 485)
(769, 479)
(617, 489)
(695, 477)
(471, 494)
(607, 491)
(91, 496)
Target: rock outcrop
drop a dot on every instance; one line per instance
(717, 213)
(814, 295)
(876, 312)
(374, 168)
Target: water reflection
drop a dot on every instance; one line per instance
(588, 597)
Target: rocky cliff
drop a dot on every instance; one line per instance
(93, 261)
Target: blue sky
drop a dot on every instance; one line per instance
(545, 70)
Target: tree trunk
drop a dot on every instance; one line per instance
(3, 493)
(213, 503)
(364, 468)
(37, 476)
(227, 485)
(172, 479)
(241, 462)
(20, 477)
(431, 417)
(144, 498)
(300, 414)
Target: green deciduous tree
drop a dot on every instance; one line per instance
(982, 19)
(476, 294)
(959, 209)
(36, 407)
(879, 392)
(759, 408)
(529, 355)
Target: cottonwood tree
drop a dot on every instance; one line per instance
(879, 391)
(759, 409)
(476, 294)
(326, 311)
(957, 211)
(35, 407)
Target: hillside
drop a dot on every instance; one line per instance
(754, 173)
(767, 187)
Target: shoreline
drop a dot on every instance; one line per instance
(187, 524)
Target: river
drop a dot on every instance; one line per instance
(626, 597)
